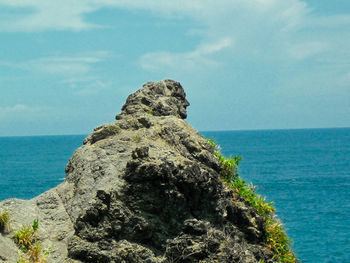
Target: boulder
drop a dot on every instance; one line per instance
(143, 189)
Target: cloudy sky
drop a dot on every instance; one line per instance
(67, 66)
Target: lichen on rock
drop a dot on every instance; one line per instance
(145, 189)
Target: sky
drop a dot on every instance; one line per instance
(67, 66)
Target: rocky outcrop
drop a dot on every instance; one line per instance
(144, 189)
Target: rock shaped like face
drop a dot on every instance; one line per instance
(162, 98)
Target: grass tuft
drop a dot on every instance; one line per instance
(24, 238)
(31, 248)
(276, 237)
(278, 241)
(137, 138)
(4, 221)
(150, 112)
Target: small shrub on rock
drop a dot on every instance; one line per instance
(276, 238)
(31, 248)
(4, 221)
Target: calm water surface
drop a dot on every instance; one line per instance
(31, 165)
(306, 173)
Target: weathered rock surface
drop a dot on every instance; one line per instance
(144, 189)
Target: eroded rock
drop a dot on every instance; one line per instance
(144, 189)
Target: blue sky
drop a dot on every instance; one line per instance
(67, 66)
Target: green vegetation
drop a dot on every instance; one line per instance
(276, 237)
(35, 225)
(278, 240)
(4, 221)
(24, 238)
(137, 138)
(114, 129)
(31, 248)
(248, 193)
(150, 112)
(230, 165)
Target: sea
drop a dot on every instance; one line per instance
(305, 172)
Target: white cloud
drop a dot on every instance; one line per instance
(332, 21)
(261, 43)
(263, 29)
(266, 31)
(268, 27)
(198, 58)
(42, 15)
(87, 86)
(20, 110)
(65, 65)
(15, 109)
(78, 71)
(61, 65)
(52, 65)
(272, 30)
(306, 50)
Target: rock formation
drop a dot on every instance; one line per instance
(144, 189)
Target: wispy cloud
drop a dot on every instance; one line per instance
(77, 71)
(273, 30)
(16, 108)
(20, 110)
(198, 58)
(259, 45)
(307, 49)
(65, 65)
(62, 65)
(331, 21)
(39, 15)
(269, 28)
(87, 86)
(264, 31)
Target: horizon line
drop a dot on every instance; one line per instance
(233, 130)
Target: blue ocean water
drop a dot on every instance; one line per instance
(31, 165)
(306, 172)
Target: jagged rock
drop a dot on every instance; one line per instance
(144, 189)
(162, 98)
